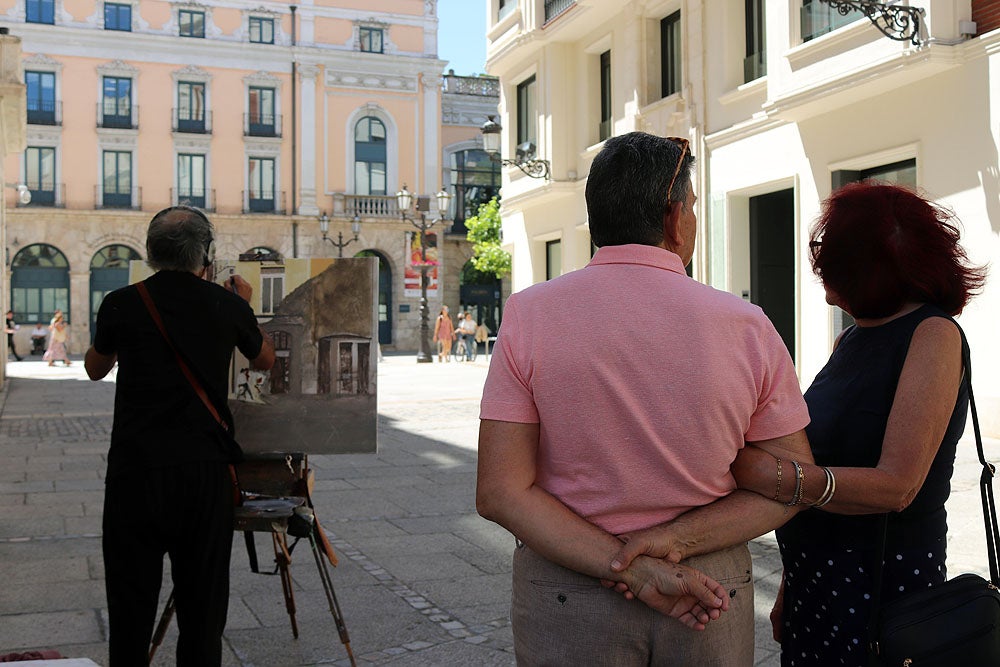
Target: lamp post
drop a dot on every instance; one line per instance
(404, 198)
(524, 157)
(340, 243)
(23, 193)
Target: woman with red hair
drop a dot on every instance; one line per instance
(886, 413)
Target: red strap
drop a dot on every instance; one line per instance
(148, 300)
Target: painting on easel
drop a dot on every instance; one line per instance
(320, 397)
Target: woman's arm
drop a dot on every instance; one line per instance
(921, 410)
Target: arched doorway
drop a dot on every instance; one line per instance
(384, 296)
(108, 272)
(39, 283)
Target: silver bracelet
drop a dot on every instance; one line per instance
(831, 488)
(797, 493)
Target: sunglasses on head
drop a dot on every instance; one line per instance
(684, 146)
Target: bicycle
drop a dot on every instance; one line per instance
(457, 351)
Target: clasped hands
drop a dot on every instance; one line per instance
(648, 563)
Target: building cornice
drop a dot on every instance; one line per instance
(866, 80)
(225, 54)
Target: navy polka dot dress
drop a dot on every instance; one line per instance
(830, 559)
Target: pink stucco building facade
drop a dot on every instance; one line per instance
(266, 115)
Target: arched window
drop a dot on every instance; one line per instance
(475, 179)
(39, 283)
(369, 157)
(262, 250)
(108, 272)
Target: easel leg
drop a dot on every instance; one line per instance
(283, 560)
(331, 596)
(161, 627)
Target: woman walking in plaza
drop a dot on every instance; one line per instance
(444, 333)
(57, 340)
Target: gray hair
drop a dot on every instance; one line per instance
(178, 239)
(627, 188)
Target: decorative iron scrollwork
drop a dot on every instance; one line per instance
(532, 168)
(898, 22)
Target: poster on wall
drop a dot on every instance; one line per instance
(414, 259)
(320, 397)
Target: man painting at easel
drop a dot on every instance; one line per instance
(168, 486)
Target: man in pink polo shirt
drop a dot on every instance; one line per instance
(580, 444)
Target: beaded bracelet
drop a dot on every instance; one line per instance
(777, 489)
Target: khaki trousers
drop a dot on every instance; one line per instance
(561, 617)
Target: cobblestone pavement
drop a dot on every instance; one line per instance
(422, 579)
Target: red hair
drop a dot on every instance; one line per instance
(878, 246)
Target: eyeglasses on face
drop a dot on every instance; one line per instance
(684, 145)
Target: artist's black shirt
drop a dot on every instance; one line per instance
(159, 419)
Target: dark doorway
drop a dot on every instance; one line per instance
(772, 260)
(384, 296)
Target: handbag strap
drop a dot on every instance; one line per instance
(188, 373)
(985, 490)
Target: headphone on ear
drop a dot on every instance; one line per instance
(210, 253)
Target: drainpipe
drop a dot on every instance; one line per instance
(295, 134)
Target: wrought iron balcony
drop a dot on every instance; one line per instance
(46, 194)
(197, 197)
(112, 116)
(261, 125)
(554, 8)
(44, 113)
(264, 202)
(110, 197)
(188, 121)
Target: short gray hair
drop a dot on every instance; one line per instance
(178, 239)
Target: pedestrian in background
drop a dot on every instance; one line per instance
(444, 334)
(58, 335)
(10, 328)
(580, 444)
(168, 485)
(468, 334)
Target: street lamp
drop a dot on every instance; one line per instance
(524, 157)
(23, 193)
(340, 243)
(404, 198)
(900, 23)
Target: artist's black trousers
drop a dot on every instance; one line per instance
(185, 511)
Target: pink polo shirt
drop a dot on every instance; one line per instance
(645, 384)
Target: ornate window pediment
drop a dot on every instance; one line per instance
(117, 68)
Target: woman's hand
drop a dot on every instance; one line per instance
(658, 542)
(778, 611)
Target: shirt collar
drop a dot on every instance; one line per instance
(634, 253)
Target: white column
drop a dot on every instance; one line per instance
(430, 136)
(309, 132)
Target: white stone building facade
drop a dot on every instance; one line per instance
(783, 100)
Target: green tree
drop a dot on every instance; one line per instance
(488, 257)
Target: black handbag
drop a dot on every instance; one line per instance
(954, 623)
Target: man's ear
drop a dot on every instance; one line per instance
(672, 238)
